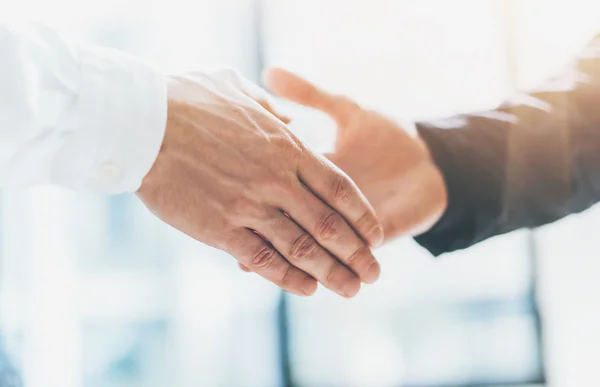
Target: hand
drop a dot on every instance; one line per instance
(231, 175)
(391, 167)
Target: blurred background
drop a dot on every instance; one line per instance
(96, 292)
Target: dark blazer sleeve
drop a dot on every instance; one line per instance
(532, 161)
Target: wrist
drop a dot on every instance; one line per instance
(168, 143)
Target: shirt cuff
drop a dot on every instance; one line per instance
(120, 123)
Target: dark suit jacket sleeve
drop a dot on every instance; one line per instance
(530, 162)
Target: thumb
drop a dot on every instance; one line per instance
(296, 89)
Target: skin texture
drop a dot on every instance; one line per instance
(390, 166)
(231, 175)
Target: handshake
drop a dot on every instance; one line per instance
(231, 175)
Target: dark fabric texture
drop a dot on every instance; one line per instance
(530, 162)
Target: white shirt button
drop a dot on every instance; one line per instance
(108, 172)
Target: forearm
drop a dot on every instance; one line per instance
(530, 162)
(80, 117)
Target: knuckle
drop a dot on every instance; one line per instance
(245, 209)
(341, 189)
(263, 256)
(349, 103)
(328, 225)
(224, 237)
(302, 248)
(287, 145)
(282, 187)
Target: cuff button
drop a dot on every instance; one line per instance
(108, 171)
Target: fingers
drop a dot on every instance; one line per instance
(333, 233)
(260, 257)
(302, 251)
(336, 189)
(290, 86)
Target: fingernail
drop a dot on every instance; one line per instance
(372, 273)
(309, 285)
(351, 289)
(375, 236)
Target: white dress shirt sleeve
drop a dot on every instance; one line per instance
(86, 118)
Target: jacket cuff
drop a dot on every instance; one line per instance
(455, 229)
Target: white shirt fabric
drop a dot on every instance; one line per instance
(85, 118)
